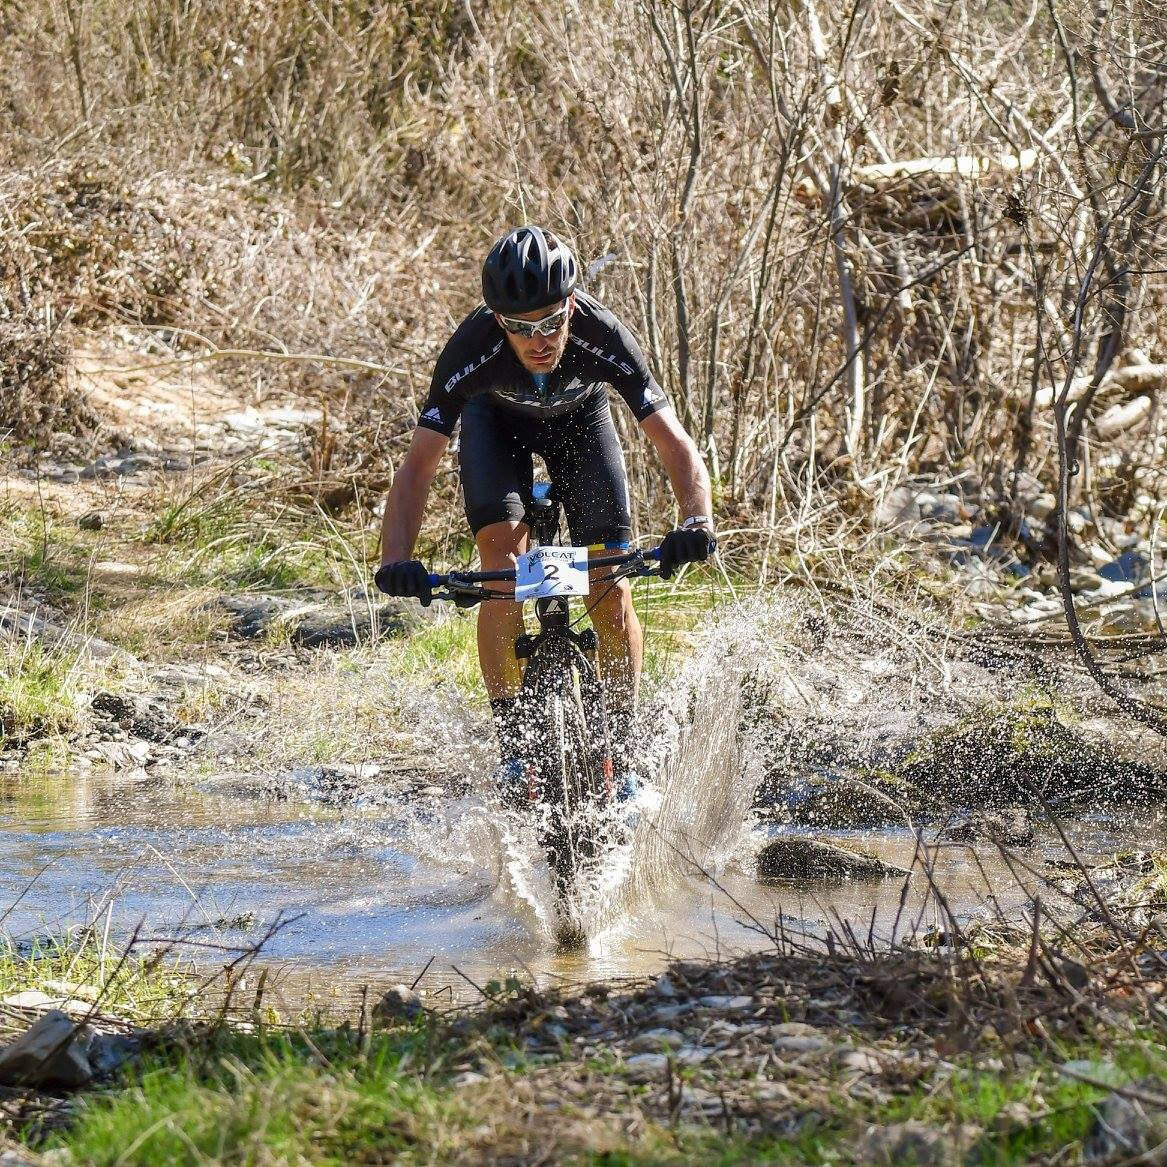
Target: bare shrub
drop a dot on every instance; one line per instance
(38, 400)
(851, 238)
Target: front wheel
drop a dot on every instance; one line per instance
(576, 765)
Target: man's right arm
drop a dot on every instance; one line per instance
(405, 504)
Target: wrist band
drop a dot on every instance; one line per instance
(696, 521)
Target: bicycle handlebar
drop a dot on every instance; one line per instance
(467, 585)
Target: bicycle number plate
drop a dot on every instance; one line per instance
(551, 571)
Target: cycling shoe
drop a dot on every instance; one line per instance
(627, 787)
(633, 797)
(515, 782)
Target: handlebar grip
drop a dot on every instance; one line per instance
(436, 580)
(654, 554)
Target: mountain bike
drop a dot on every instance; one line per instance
(570, 772)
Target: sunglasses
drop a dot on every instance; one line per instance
(545, 326)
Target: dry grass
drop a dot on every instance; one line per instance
(324, 178)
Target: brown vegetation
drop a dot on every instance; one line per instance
(858, 243)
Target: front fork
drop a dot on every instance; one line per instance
(552, 614)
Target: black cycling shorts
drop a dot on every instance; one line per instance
(583, 458)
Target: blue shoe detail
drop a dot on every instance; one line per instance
(515, 781)
(626, 787)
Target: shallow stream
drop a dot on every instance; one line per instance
(370, 889)
(369, 897)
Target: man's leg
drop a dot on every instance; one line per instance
(500, 621)
(586, 461)
(621, 653)
(621, 647)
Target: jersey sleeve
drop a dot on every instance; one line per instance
(443, 403)
(633, 380)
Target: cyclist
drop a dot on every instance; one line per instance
(527, 373)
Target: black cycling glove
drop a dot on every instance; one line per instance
(679, 547)
(406, 577)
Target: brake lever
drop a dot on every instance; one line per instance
(463, 598)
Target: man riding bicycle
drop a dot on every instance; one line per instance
(527, 372)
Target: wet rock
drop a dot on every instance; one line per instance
(802, 1043)
(1011, 827)
(146, 718)
(860, 1061)
(91, 521)
(104, 467)
(663, 987)
(108, 1052)
(1012, 756)
(1132, 885)
(1126, 1127)
(918, 1143)
(30, 999)
(340, 784)
(467, 1078)
(791, 857)
(122, 755)
(400, 1003)
(645, 1067)
(253, 616)
(334, 628)
(34, 1002)
(794, 1029)
(720, 1002)
(178, 677)
(136, 463)
(694, 1100)
(1072, 973)
(796, 1037)
(694, 1055)
(51, 1052)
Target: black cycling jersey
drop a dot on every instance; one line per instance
(600, 351)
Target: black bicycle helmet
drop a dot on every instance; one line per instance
(527, 269)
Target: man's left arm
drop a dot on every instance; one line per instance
(683, 464)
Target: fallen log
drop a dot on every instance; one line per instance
(962, 165)
(1131, 379)
(970, 166)
(1140, 378)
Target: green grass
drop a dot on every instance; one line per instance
(324, 1094)
(278, 1097)
(39, 690)
(136, 987)
(46, 554)
(235, 542)
(444, 651)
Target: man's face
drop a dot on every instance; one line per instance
(540, 353)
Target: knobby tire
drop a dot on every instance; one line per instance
(561, 684)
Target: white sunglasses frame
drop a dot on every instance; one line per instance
(532, 328)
